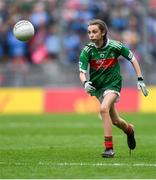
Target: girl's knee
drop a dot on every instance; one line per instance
(116, 122)
(104, 110)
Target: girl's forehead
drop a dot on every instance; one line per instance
(92, 27)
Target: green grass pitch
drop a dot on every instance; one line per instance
(69, 146)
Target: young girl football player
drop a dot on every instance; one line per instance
(105, 81)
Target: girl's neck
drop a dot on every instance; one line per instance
(101, 43)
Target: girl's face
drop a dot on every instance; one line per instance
(95, 34)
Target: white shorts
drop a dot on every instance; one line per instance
(109, 91)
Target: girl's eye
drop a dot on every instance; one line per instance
(94, 32)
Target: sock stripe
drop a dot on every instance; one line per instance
(108, 145)
(108, 142)
(108, 139)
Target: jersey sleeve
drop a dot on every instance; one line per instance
(122, 50)
(127, 53)
(84, 59)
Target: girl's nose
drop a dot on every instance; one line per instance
(91, 35)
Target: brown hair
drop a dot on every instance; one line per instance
(102, 25)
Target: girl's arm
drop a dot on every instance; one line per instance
(86, 84)
(83, 77)
(141, 84)
(136, 67)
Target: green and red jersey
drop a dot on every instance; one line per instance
(104, 69)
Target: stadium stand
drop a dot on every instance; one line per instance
(50, 59)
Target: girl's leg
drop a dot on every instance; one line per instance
(106, 104)
(117, 120)
(122, 124)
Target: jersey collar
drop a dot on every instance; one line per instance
(103, 46)
(106, 43)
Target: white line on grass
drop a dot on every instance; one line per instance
(100, 164)
(80, 164)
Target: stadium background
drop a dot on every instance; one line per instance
(49, 126)
(42, 76)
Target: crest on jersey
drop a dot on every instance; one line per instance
(102, 56)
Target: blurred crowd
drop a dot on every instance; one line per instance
(60, 27)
